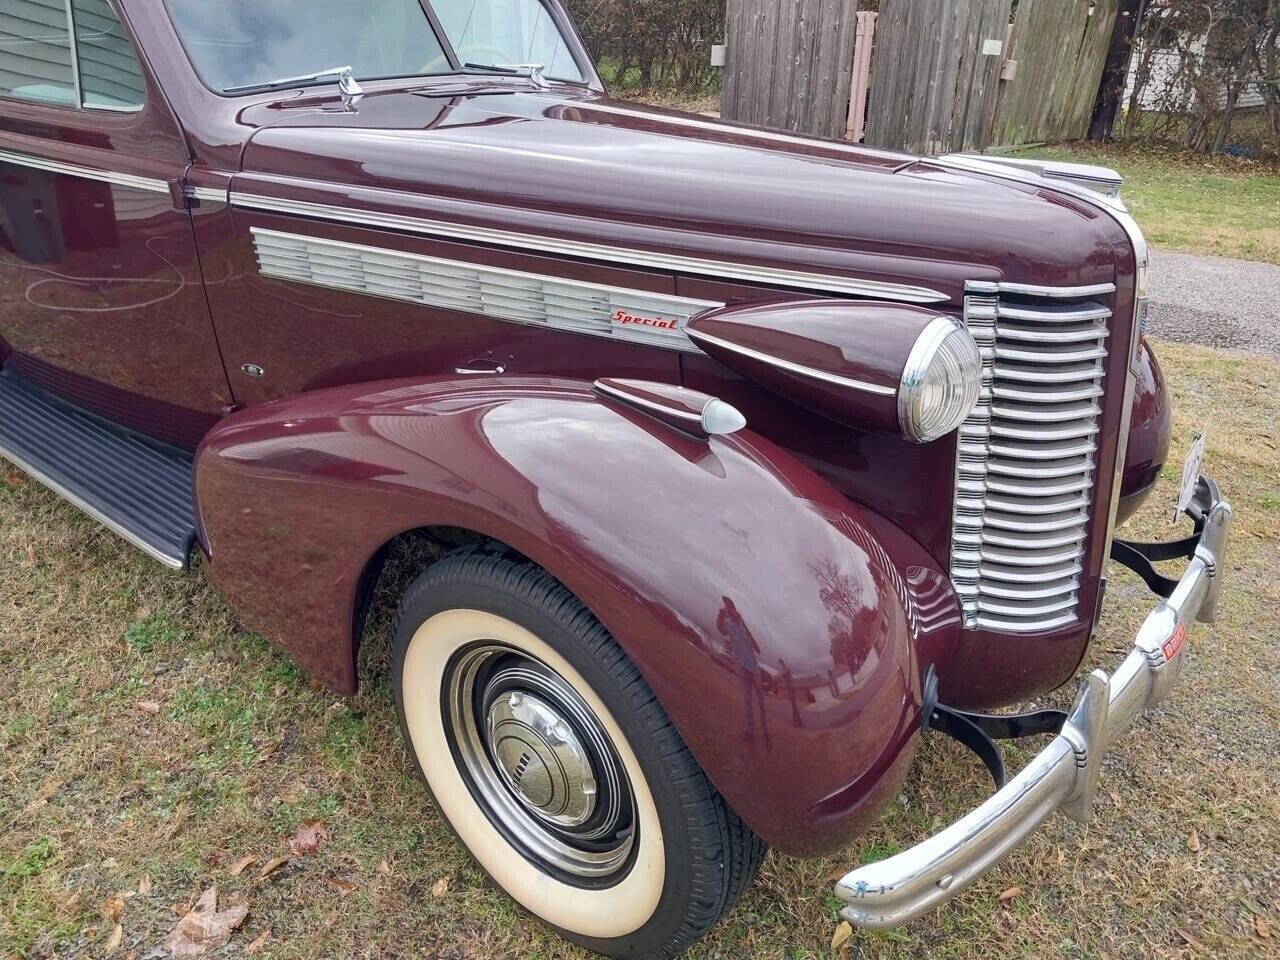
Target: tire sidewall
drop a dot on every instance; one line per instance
(426, 599)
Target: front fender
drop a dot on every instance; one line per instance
(762, 607)
(1150, 430)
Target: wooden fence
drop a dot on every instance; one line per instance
(947, 75)
(937, 74)
(1060, 47)
(790, 63)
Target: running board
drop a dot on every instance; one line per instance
(139, 489)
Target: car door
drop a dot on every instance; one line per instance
(101, 296)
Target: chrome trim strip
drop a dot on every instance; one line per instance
(74, 170)
(767, 136)
(799, 369)
(174, 563)
(631, 400)
(628, 257)
(1064, 775)
(208, 194)
(459, 285)
(1031, 290)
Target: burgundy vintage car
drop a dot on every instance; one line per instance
(751, 457)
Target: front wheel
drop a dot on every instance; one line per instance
(555, 764)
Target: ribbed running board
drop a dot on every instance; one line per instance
(140, 490)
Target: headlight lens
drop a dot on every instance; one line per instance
(941, 381)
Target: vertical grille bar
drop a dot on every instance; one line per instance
(1026, 455)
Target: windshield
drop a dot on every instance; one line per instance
(497, 32)
(237, 44)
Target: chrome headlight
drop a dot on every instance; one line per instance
(941, 381)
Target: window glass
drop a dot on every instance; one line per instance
(238, 43)
(35, 51)
(109, 73)
(494, 32)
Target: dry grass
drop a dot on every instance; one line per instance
(97, 793)
(1219, 205)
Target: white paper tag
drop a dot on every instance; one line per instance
(1190, 476)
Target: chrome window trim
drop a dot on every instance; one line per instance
(73, 41)
(796, 368)
(685, 307)
(622, 256)
(74, 170)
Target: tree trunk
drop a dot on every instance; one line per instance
(1116, 71)
(1228, 114)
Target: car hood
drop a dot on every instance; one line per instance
(576, 165)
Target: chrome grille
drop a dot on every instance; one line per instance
(1026, 455)
(597, 309)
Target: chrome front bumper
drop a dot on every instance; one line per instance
(1065, 774)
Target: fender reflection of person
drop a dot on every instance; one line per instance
(743, 647)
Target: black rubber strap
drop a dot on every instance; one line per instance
(980, 731)
(1015, 726)
(959, 727)
(1133, 557)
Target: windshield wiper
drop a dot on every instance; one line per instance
(346, 79)
(531, 70)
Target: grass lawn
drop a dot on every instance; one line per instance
(149, 745)
(1214, 205)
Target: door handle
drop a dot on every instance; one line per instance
(481, 367)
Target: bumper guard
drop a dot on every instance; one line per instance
(1065, 774)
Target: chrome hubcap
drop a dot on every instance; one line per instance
(541, 758)
(539, 762)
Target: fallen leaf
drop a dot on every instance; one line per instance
(205, 928)
(1191, 941)
(243, 864)
(144, 885)
(383, 868)
(307, 839)
(440, 887)
(112, 909)
(344, 887)
(178, 822)
(116, 938)
(1010, 894)
(271, 866)
(42, 795)
(1193, 841)
(148, 706)
(844, 930)
(1261, 927)
(258, 942)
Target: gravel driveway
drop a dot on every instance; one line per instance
(1216, 301)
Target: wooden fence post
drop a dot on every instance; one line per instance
(864, 40)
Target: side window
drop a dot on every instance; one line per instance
(109, 73)
(39, 63)
(35, 51)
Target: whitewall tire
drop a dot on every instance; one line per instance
(555, 765)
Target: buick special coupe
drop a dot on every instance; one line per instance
(750, 458)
